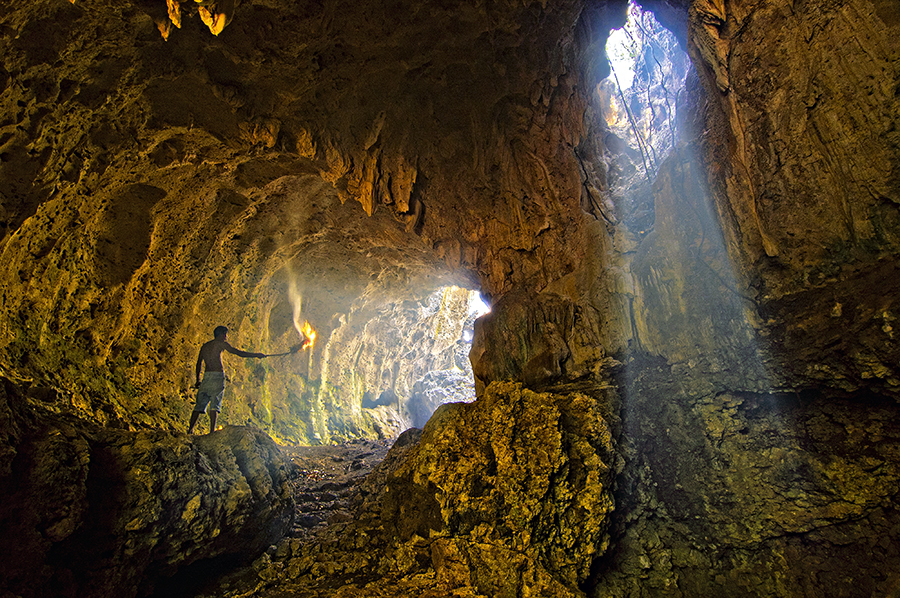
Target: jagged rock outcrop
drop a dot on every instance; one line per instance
(88, 511)
(507, 493)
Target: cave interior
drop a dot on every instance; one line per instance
(617, 282)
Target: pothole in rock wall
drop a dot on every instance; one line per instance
(638, 104)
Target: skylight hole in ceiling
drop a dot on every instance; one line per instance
(640, 96)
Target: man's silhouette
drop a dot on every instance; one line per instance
(212, 388)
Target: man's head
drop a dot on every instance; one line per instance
(220, 332)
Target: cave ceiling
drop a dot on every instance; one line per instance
(165, 168)
(397, 113)
(158, 180)
(169, 167)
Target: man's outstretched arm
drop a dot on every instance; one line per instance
(240, 353)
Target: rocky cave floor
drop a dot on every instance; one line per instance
(325, 483)
(325, 480)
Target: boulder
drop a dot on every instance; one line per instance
(515, 488)
(92, 512)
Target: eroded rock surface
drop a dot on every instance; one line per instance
(757, 494)
(154, 189)
(803, 149)
(90, 511)
(507, 493)
(733, 326)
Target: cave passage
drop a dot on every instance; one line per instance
(689, 381)
(374, 372)
(429, 365)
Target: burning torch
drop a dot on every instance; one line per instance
(309, 337)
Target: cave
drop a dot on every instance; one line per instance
(622, 329)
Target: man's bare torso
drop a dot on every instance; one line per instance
(211, 354)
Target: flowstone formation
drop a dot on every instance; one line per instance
(688, 381)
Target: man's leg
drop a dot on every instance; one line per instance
(215, 407)
(194, 416)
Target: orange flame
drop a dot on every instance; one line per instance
(310, 334)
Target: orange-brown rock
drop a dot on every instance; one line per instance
(154, 189)
(801, 141)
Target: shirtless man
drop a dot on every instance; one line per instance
(213, 386)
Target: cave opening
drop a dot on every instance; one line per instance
(427, 363)
(638, 105)
(377, 368)
(648, 68)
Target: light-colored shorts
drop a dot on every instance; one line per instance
(210, 393)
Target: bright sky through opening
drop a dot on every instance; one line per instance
(620, 48)
(477, 305)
